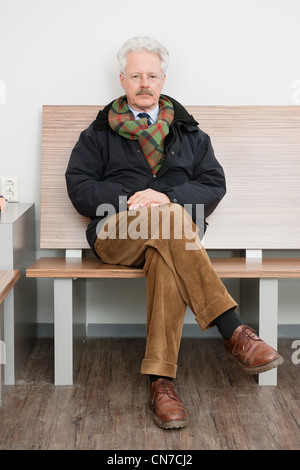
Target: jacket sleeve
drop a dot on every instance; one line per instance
(207, 186)
(84, 175)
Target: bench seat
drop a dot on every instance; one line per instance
(69, 308)
(7, 281)
(89, 268)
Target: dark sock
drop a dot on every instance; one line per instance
(227, 322)
(155, 377)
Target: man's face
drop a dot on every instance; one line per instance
(142, 95)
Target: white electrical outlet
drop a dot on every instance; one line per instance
(10, 188)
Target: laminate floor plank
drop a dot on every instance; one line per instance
(106, 408)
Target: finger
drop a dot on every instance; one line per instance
(138, 198)
(134, 207)
(135, 197)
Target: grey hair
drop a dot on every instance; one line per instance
(143, 43)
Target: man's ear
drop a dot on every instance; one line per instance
(122, 80)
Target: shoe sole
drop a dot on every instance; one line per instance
(169, 424)
(252, 370)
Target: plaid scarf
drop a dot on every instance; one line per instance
(151, 139)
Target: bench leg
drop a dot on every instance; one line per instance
(2, 349)
(69, 328)
(268, 322)
(9, 338)
(7, 349)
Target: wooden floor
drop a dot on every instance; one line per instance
(106, 408)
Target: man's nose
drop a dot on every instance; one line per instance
(144, 82)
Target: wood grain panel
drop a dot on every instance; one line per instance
(258, 147)
(107, 408)
(61, 225)
(7, 281)
(225, 268)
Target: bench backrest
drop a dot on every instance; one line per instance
(258, 147)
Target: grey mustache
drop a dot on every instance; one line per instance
(144, 91)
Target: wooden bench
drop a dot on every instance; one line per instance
(258, 146)
(7, 281)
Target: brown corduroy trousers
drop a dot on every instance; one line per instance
(165, 241)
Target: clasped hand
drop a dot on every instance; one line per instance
(147, 197)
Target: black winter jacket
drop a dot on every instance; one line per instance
(104, 166)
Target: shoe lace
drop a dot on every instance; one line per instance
(245, 337)
(165, 388)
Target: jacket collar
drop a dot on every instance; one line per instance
(181, 116)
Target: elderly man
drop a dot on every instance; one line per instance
(146, 158)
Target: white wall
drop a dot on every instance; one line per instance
(64, 52)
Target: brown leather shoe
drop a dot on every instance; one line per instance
(169, 412)
(250, 352)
